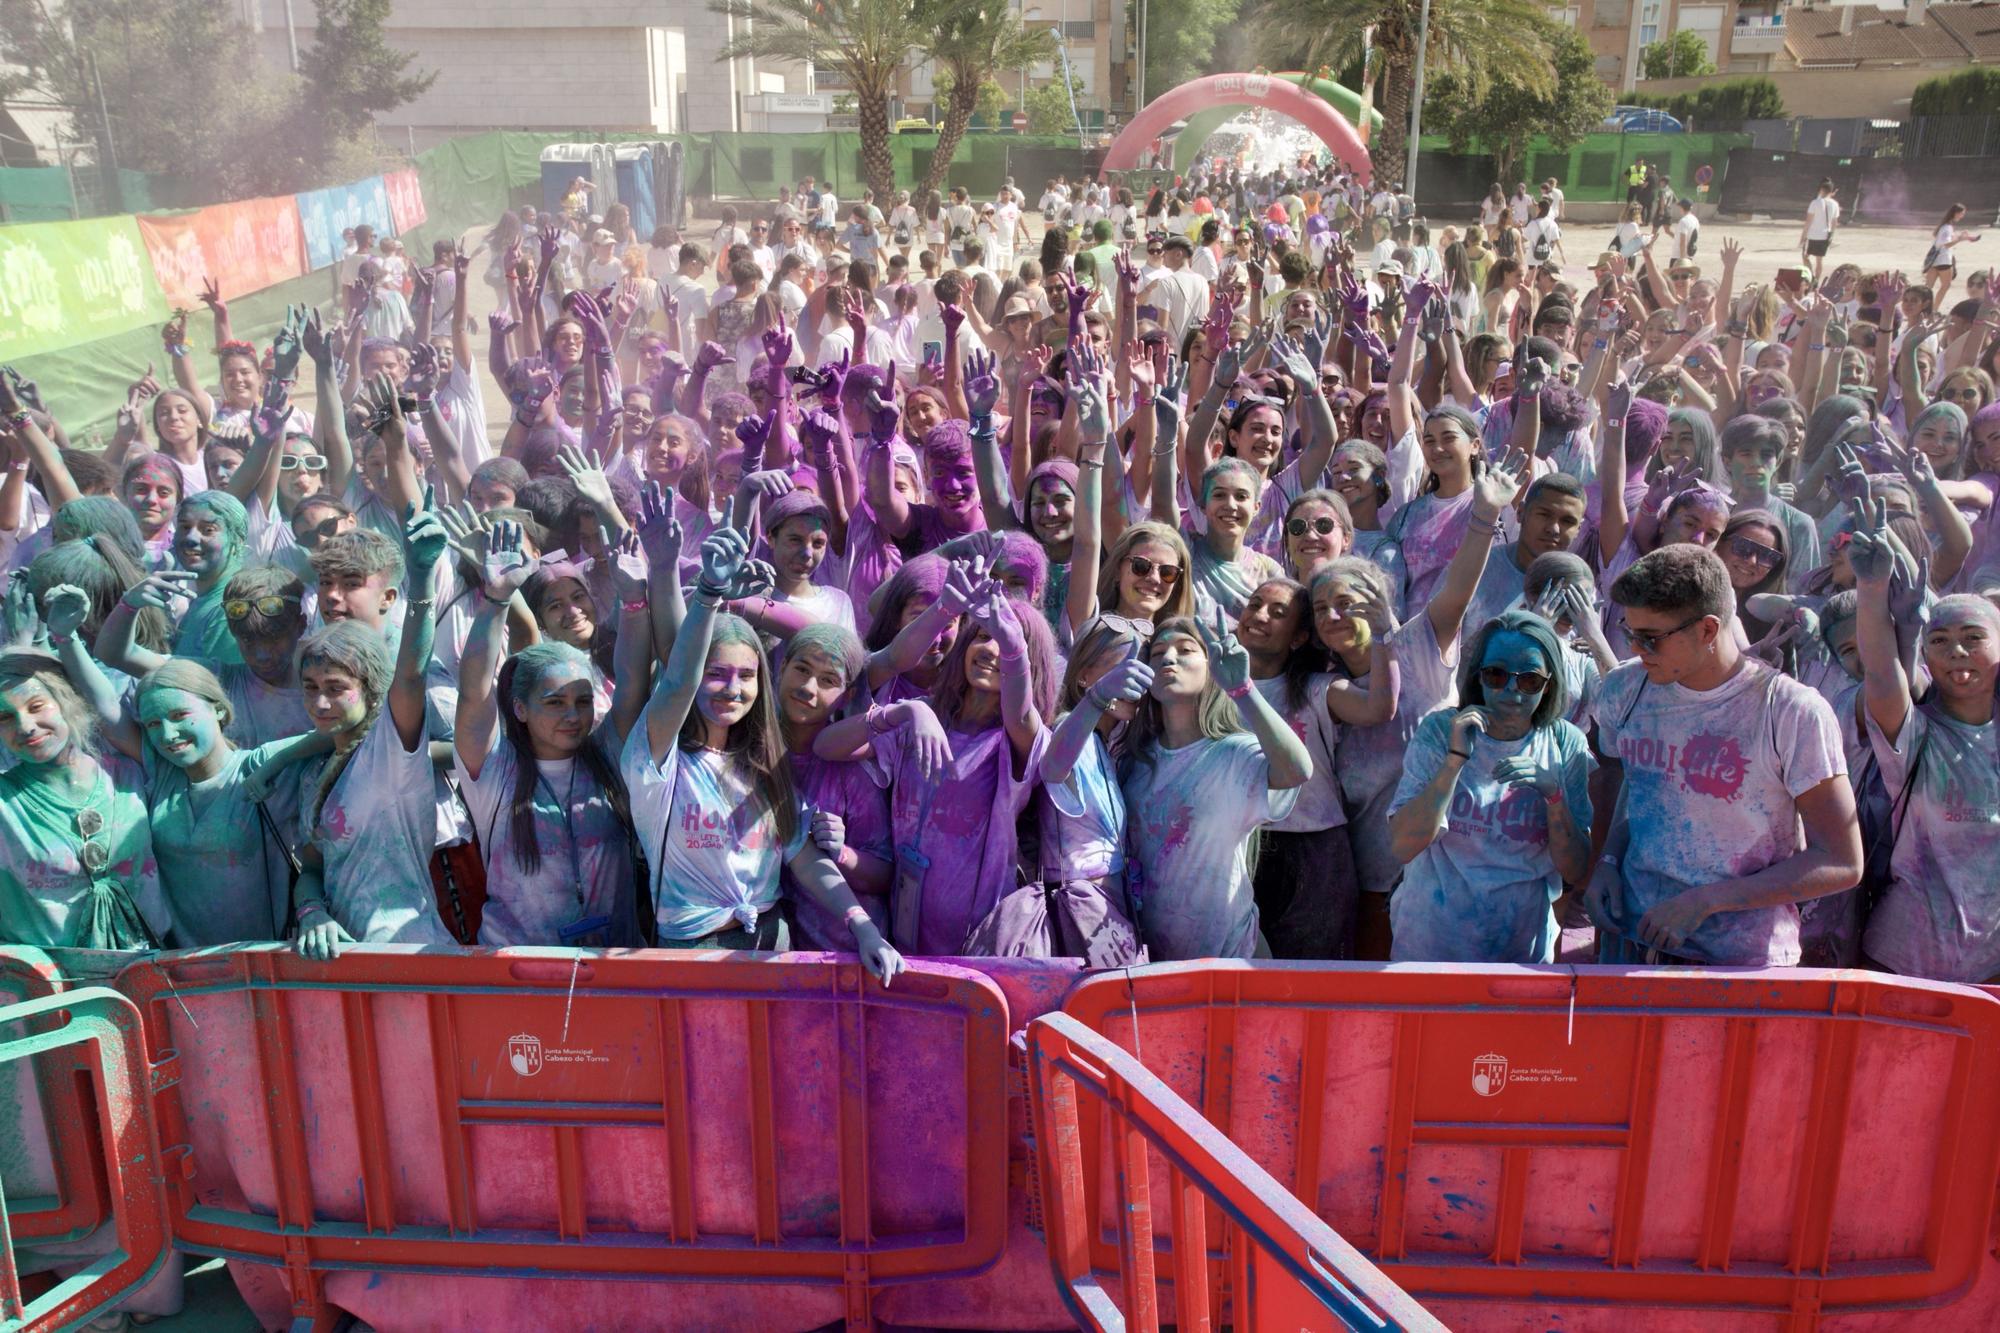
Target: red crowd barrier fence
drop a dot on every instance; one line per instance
(1246, 1254)
(1798, 1146)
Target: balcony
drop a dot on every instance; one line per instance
(1757, 36)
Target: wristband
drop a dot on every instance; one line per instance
(634, 607)
(857, 915)
(177, 350)
(491, 600)
(1459, 754)
(18, 421)
(1616, 422)
(1815, 347)
(1237, 692)
(312, 905)
(1555, 797)
(1097, 463)
(1477, 524)
(1608, 860)
(1601, 344)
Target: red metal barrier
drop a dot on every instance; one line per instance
(53, 1171)
(650, 1116)
(1248, 1252)
(96, 1033)
(1612, 1148)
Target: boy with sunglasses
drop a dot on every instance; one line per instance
(1724, 800)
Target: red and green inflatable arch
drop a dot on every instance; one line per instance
(1321, 105)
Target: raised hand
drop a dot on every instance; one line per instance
(551, 238)
(627, 568)
(1128, 272)
(466, 528)
(994, 613)
(1618, 403)
(586, 472)
(1497, 484)
(1319, 337)
(64, 609)
(1093, 416)
(211, 296)
(382, 409)
(1465, 724)
(20, 622)
(504, 567)
(1127, 682)
(711, 356)
(660, 533)
(500, 323)
(883, 417)
(160, 591)
(424, 538)
(268, 422)
(285, 346)
(952, 317)
(982, 384)
(423, 380)
(1228, 660)
(1292, 360)
(767, 484)
(723, 557)
(779, 344)
(965, 582)
(818, 430)
(173, 334)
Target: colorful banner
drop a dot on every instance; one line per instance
(406, 199)
(245, 247)
(66, 283)
(324, 214)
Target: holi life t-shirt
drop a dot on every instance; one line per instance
(1083, 819)
(44, 888)
(1318, 806)
(581, 893)
(1482, 891)
(1191, 812)
(1370, 759)
(376, 830)
(225, 877)
(854, 791)
(957, 850)
(714, 852)
(1940, 917)
(1712, 778)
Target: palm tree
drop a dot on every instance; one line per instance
(867, 41)
(973, 41)
(1469, 38)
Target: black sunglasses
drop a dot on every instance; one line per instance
(1526, 682)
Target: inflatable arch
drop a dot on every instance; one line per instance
(1220, 91)
(1188, 143)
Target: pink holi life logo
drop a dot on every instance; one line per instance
(1714, 766)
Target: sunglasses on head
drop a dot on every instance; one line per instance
(1298, 527)
(1526, 682)
(238, 607)
(1749, 548)
(1143, 568)
(307, 462)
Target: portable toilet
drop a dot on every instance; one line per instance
(632, 169)
(562, 163)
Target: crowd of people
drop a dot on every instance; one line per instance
(1246, 566)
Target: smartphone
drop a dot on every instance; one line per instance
(1791, 281)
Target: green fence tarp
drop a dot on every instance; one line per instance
(64, 282)
(1593, 170)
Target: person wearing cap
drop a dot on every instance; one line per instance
(1179, 294)
(602, 269)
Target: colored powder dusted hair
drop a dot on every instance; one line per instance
(254, 582)
(1774, 581)
(522, 676)
(1180, 598)
(1230, 466)
(1988, 417)
(1362, 573)
(832, 642)
(1216, 713)
(1951, 418)
(757, 741)
(24, 665)
(1468, 425)
(1044, 668)
(228, 511)
(350, 647)
(191, 677)
(1554, 702)
(793, 504)
(153, 467)
(541, 586)
(1826, 422)
(949, 441)
(1020, 558)
(1645, 427)
(1309, 658)
(1699, 496)
(922, 577)
(1707, 460)
(1558, 567)
(103, 570)
(103, 517)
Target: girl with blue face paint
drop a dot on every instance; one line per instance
(224, 873)
(1492, 816)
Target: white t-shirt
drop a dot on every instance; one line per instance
(826, 605)
(1822, 216)
(713, 854)
(1711, 781)
(376, 831)
(693, 310)
(1190, 816)
(1686, 232)
(1181, 296)
(1481, 892)
(1083, 819)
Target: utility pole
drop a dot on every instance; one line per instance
(1417, 103)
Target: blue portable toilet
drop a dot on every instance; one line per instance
(632, 170)
(562, 163)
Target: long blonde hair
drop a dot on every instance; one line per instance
(1180, 600)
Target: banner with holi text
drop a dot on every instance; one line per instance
(67, 283)
(406, 199)
(325, 214)
(245, 247)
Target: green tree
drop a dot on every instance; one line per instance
(352, 75)
(1969, 92)
(1048, 107)
(867, 41)
(975, 40)
(1719, 106)
(1683, 55)
(1473, 39)
(1509, 116)
(1181, 40)
(223, 140)
(992, 106)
